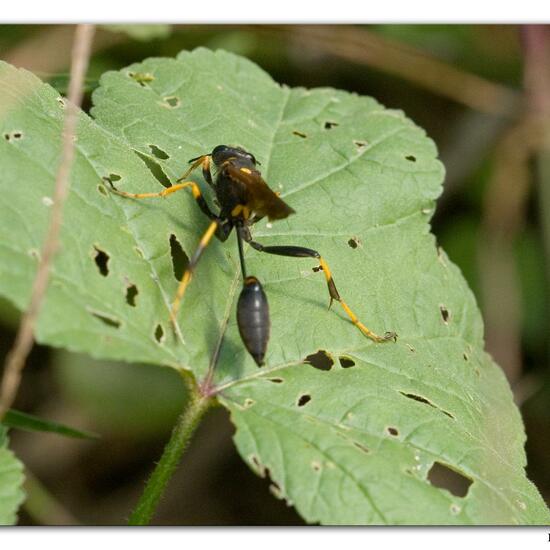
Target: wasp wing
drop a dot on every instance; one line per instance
(260, 198)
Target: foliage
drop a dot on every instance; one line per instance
(11, 481)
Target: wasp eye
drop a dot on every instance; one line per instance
(221, 153)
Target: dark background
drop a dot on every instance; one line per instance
(478, 90)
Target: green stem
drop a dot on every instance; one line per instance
(181, 435)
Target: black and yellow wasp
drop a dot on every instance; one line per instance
(244, 198)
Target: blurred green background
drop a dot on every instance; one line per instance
(469, 87)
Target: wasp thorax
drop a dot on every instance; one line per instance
(253, 319)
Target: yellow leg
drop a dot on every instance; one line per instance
(334, 295)
(300, 252)
(204, 162)
(186, 279)
(169, 190)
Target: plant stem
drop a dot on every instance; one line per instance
(181, 435)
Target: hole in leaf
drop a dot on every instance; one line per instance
(276, 380)
(101, 259)
(393, 431)
(346, 362)
(106, 319)
(142, 78)
(180, 260)
(417, 398)
(111, 178)
(158, 152)
(421, 399)
(265, 472)
(258, 466)
(320, 360)
(13, 135)
(139, 252)
(329, 125)
(361, 447)
(316, 466)
(155, 169)
(299, 134)
(102, 189)
(172, 101)
(465, 356)
(445, 314)
(303, 400)
(159, 333)
(256, 463)
(360, 144)
(317, 269)
(411, 158)
(445, 477)
(353, 242)
(249, 402)
(131, 294)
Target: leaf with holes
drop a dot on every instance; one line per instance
(11, 481)
(350, 431)
(109, 289)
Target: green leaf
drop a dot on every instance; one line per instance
(363, 180)
(100, 280)
(11, 481)
(32, 423)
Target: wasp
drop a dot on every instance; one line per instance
(244, 198)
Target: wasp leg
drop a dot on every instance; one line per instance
(204, 162)
(195, 189)
(186, 279)
(301, 252)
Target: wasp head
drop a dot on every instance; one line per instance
(222, 153)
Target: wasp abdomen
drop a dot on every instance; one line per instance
(253, 319)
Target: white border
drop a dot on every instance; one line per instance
(275, 11)
(320, 538)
